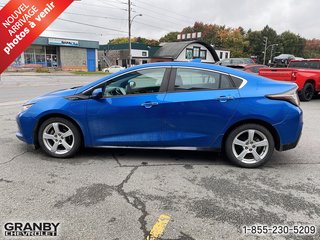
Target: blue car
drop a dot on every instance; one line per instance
(174, 105)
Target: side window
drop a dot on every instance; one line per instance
(194, 79)
(138, 82)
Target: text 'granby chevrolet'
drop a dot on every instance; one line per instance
(15, 229)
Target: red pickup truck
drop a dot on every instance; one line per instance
(305, 73)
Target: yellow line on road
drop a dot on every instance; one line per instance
(159, 227)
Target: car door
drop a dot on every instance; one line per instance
(130, 112)
(198, 106)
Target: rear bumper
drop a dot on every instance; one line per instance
(290, 129)
(289, 146)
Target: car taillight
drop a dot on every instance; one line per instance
(289, 96)
(294, 76)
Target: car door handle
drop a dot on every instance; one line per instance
(225, 98)
(149, 104)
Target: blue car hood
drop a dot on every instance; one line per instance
(58, 93)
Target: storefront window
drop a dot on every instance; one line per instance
(41, 55)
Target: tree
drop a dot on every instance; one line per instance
(292, 43)
(255, 44)
(150, 42)
(170, 37)
(244, 43)
(312, 49)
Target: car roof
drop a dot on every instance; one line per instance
(207, 66)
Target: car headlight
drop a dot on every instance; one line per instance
(26, 107)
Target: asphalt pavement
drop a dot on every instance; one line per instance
(120, 194)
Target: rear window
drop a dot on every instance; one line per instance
(237, 81)
(305, 64)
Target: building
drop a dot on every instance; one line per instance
(118, 54)
(185, 51)
(65, 54)
(223, 54)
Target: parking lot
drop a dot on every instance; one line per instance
(120, 194)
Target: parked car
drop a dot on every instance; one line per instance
(235, 61)
(283, 60)
(176, 105)
(113, 69)
(251, 68)
(305, 73)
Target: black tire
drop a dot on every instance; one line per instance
(307, 92)
(316, 95)
(73, 141)
(260, 135)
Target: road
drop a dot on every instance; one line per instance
(120, 194)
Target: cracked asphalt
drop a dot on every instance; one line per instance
(119, 194)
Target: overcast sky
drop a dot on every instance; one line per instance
(162, 16)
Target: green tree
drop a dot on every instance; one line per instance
(146, 41)
(292, 43)
(170, 37)
(255, 44)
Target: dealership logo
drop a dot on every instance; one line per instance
(19, 229)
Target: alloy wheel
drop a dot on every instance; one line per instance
(250, 146)
(58, 138)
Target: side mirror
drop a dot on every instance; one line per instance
(97, 93)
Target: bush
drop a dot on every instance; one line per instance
(42, 70)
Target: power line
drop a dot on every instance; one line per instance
(103, 5)
(162, 15)
(95, 16)
(99, 34)
(157, 27)
(168, 10)
(96, 11)
(160, 18)
(114, 2)
(90, 25)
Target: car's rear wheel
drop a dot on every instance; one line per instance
(249, 145)
(59, 137)
(307, 92)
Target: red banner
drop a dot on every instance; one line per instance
(21, 22)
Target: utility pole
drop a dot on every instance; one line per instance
(265, 42)
(271, 54)
(129, 24)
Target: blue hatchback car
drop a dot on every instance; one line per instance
(169, 105)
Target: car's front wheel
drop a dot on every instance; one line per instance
(249, 145)
(59, 138)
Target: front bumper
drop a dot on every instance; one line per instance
(25, 127)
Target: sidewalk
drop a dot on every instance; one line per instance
(38, 74)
